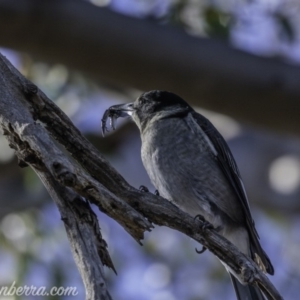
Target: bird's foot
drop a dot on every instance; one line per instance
(201, 251)
(144, 189)
(205, 224)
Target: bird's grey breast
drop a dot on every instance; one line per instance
(181, 163)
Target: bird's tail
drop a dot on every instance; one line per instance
(246, 292)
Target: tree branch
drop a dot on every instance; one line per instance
(33, 146)
(99, 182)
(87, 245)
(206, 72)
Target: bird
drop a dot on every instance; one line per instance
(190, 164)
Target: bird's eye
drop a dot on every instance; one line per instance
(142, 101)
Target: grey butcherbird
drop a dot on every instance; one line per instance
(190, 164)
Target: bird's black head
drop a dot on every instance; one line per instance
(158, 104)
(149, 107)
(155, 101)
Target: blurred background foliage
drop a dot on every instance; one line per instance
(34, 249)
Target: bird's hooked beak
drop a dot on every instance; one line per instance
(115, 112)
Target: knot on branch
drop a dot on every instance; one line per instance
(31, 92)
(63, 174)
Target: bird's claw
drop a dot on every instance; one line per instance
(144, 189)
(205, 224)
(201, 251)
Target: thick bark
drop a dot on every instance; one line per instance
(34, 147)
(21, 103)
(84, 235)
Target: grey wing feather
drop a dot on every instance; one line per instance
(227, 163)
(230, 169)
